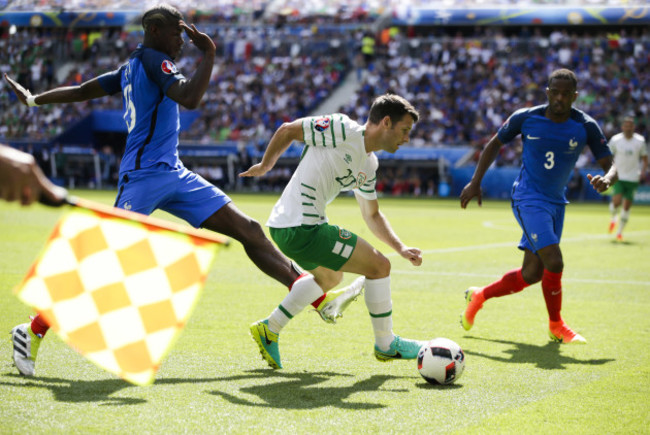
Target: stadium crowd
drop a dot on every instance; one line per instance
(463, 83)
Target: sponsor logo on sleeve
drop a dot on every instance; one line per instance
(168, 67)
(322, 124)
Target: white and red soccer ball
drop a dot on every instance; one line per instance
(441, 361)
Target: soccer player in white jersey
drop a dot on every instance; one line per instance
(338, 156)
(629, 148)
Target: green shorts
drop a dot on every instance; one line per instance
(625, 189)
(316, 245)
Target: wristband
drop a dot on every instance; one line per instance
(31, 101)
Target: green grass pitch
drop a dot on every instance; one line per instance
(515, 381)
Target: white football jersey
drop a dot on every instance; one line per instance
(627, 155)
(334, 160)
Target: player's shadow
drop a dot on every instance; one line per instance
(622, 242)
(546, 357)
(75, 391)
(293, 391)
(302, 390)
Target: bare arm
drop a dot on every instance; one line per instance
(644, 167)
(473, 188)
(22, 179)
(282, 138)
(188, 93)
(66, 94)
(602, 182)
(381, 228)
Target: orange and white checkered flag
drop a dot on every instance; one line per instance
(118, 286)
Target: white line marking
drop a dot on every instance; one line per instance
(513, 244)
(491, 275)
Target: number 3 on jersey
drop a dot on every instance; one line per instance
(550, 162)
(129, 113)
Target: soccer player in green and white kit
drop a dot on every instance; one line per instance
(628, 148)
(338, 156)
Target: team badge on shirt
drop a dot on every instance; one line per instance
(168, 67)
(361, 179)
(322, 124)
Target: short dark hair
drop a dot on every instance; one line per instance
(393, 106)
(563, 74)
(160, 15)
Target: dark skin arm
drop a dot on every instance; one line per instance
(65, 94)
(473, 188)
(188, 93)
(602, 182)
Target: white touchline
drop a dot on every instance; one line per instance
(492, 275)
(514, 245)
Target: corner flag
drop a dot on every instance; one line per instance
(118, 286)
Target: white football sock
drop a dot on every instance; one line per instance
(613, 210)
(303, 292)
(380, 307)
(625, 216)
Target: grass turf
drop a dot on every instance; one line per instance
(515, 381)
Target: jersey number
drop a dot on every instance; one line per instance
(129, 114)
(550, 162)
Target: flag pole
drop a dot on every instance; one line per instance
(138, 217)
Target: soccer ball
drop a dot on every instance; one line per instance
(441, 361)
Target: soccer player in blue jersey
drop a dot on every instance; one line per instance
(553, 135)
(151, 174)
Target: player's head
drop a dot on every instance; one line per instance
(393, 106)
(561, 92)
(627, 125)
(163, 30)
(395, 116)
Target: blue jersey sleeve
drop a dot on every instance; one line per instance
(596, 140)
(512, 127)
(160, 69)
(111, 81)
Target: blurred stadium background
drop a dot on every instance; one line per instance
(465, 64)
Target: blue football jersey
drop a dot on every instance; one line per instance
(152, 118)
(550, 150)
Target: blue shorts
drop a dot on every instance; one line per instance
(541, 221)
(179, 191)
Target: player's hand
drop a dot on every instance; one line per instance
(257, 170)
(20, 92)
(470, 191)
(599, 182)
(22, 180)
(202, 41)
(414, 255)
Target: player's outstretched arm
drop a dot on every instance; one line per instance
(282, 138)
(21, 179)
(473, 188)
(603, 182)
(380, 227)
(66, 94)
(188, 93)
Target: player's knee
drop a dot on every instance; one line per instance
(251, 233)
(380, 267)
(532, 275)
(555, 265)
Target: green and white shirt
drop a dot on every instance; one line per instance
(627, 155)
(334, 160)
